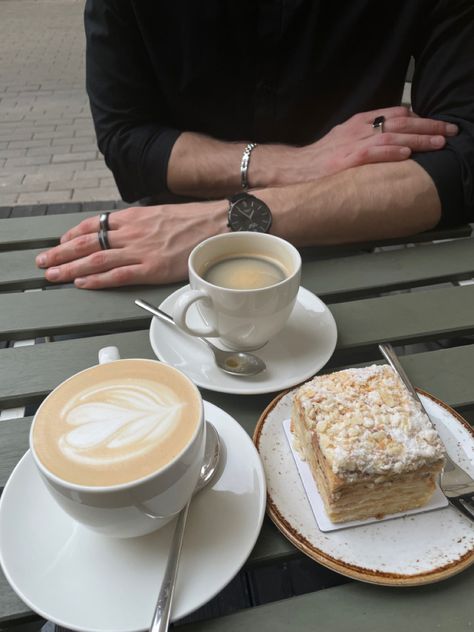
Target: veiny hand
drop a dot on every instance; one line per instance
(148, 244)
(355, 142)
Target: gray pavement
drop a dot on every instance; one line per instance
(48, 151)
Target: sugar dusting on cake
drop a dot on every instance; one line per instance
(367, 423)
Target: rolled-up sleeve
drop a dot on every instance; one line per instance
(443, 88)
(126, 107)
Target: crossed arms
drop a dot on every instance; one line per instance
(350, 185)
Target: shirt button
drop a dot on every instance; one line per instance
(265, 89)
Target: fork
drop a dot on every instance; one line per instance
(456, 484)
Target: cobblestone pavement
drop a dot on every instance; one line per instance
(48, 151)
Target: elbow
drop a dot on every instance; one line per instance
(138, 158)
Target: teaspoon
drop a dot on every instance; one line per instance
(161, 616)
(239, 363)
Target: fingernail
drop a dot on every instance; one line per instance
(52, 274)
(452, 129)
(41, 260)
(437, 141)
(80, 282)
(405, 151)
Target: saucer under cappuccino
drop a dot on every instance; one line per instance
(116, 423)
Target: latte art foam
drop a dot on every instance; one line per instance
(117, 422)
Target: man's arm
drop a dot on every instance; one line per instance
(148, 157)
(361, 204)
(203, 167)
(152, 244)
(443, 88)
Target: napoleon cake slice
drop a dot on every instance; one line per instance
(372, 450)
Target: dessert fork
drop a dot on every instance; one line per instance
(456, 484)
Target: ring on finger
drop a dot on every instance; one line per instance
(378, 123)
(103, 239)
(104, 221)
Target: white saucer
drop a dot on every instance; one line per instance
(296, 354)
(91, 583)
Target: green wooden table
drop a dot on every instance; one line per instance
(369, 295)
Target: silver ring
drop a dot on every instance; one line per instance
(103, 239)
(104, 221)
(378, 123)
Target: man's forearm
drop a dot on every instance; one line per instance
(360, 204)
(201, 166)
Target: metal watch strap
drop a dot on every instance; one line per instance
(244, 165)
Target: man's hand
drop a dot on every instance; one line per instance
(147, 245)
(352, 144)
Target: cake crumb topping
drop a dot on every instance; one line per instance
(367, 422)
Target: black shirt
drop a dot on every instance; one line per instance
(282, 71)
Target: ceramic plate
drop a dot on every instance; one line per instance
(298, 352)
(90, 583)
(411, 550)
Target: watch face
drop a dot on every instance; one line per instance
(250, 213)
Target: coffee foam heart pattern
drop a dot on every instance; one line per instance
(111, 423)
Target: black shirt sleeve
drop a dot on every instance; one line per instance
(126, 108)
(443, 88)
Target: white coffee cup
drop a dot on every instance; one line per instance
(242, 318)
(141, 505)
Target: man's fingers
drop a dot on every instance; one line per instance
(418, 125)
(416, 142)
(98, 262)
(76, 248)
(392, 112)
(117, 277)
(377, 153)
(89, 225)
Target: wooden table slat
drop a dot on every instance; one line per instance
(445, 607)
(364, 274)
(37, 232)
(332, 279)
(30, 373)
(405, 317)
(408, 317)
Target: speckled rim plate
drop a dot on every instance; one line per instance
(406, 551)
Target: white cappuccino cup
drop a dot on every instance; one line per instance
(120, 445)
(244, 285)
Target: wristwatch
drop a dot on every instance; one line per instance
(247, 212)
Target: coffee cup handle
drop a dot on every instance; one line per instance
(108, 354)
(180, 311)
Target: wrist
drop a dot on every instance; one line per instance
(282, 207)
(275, 165)
(217, 216)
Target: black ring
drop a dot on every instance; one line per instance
(104, 221)
(378, 123)
(103, 239)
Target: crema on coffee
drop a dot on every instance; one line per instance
(245, 272)
(116, 423)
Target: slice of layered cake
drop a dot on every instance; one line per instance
(371, 449)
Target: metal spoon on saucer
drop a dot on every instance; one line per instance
(161, 616)
(233, 362)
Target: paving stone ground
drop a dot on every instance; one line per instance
(48, 151)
